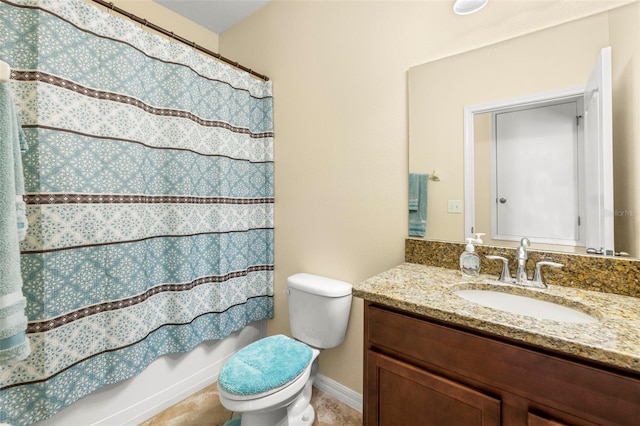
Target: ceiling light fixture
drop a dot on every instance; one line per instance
(467, 7)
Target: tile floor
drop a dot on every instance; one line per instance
(204, 409)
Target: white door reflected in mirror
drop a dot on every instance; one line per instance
(598, 136)
(536, 161)
(523, 173)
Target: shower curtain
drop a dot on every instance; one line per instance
(149, 181)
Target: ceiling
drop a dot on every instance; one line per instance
(214, 15)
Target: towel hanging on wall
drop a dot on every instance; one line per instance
(14, 346)
(417, 204)
(5, 72)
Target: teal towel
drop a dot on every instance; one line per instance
(14, 346)
(414, 190)
(417, 204)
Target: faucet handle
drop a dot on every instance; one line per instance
(537, 275)
(505, 276)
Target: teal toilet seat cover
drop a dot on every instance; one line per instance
(264, 365)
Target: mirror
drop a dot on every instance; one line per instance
(541, 62)
(550, 161)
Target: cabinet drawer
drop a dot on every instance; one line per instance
(598, 395)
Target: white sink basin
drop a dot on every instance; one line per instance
(523, 305)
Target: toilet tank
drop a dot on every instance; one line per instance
(318, 309)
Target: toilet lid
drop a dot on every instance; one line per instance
(266, 364)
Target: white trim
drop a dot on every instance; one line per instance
(468, 138)
(338, 391)
(571, 92)
(469, 172)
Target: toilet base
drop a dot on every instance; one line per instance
(298, 413)
(304, 419)
(279, 417)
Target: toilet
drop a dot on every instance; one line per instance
(269, 381)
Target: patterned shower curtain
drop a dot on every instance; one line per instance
(149, 180)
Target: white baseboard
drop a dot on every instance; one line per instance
(340, 392)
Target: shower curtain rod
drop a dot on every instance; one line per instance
(168, 33)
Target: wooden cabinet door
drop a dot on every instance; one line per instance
(402, 394)
(535, 420)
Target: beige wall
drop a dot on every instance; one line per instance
(482, 175)
(167, 19)
(340, 102)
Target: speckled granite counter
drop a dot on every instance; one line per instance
(599, 273)
(429, 291)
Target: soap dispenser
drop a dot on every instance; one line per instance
(469, 259)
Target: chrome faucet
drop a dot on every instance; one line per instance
(521, 259)
(521, 277)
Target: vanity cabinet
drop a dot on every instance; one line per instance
(419, 371)
(406, 395)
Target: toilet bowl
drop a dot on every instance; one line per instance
(270, 381)
(286, 404)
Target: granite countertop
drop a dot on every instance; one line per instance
(429, 291)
